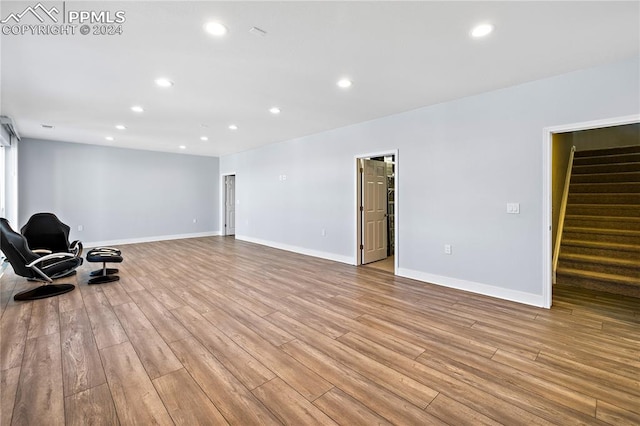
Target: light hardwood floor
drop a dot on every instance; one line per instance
(387, 264)
(219, 331)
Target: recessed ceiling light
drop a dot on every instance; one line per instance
(164, 82)
(344, 83)
(481, 30)
(120, 127)
(137, 108)
(109, 138)
(233, 127)
(215, 28)
(182, 147)
(274, 110)
(204, 138)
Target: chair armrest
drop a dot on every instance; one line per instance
(49, 257)
(42, 251)
(76, 248)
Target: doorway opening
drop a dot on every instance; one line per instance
(229, 203)
(577, 202)
(377, 211)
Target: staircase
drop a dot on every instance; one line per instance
(600, 246)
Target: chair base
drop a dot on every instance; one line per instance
(105, 271)
(55, 277)
(44, 291)
(103, 279)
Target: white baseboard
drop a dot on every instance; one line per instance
(149, 239)
(299, 250)
(474, 287)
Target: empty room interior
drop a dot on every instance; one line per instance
(307, 212)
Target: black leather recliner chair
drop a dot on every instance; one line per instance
(30, 265)
(45, 233)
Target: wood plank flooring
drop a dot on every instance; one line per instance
(219, 331)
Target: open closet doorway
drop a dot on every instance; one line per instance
(230, 205)
(376, 211)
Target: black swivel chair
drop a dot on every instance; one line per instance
(30, 265)
(45, 233)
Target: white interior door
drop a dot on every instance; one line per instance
(230, 205)
(374, 212)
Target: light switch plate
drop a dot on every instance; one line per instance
(513, 208)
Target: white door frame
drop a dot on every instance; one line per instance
(223, 195)
(547, 216)
(356, 203)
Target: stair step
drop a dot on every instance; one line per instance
(605, 177)
(608, 151)
(612, 246)
(607, 265)
(593, 283)
(605, 187)
(606, 168)
(598, 276)
(605, 222)
(601, 259)
(603, 231)
(604, 198)
(624, 236)
(601, 248)
(607, 159)
(626, 210)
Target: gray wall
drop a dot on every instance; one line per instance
(460, 162)
(118, 194)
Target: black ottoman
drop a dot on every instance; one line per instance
(104, 255)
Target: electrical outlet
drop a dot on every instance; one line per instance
(80, 228)
(195, 220)
(447, 249)
(324, 232)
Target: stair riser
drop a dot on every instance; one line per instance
(627, 290)
(608, 151)
(593, 251)
(607, 168)
(584, 236)
(603, 210)
(604, 188)
(610, 159)
(602, 224)
(605, 178)
(601, 267)
(588, 198)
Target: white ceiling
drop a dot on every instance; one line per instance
(400, 56)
